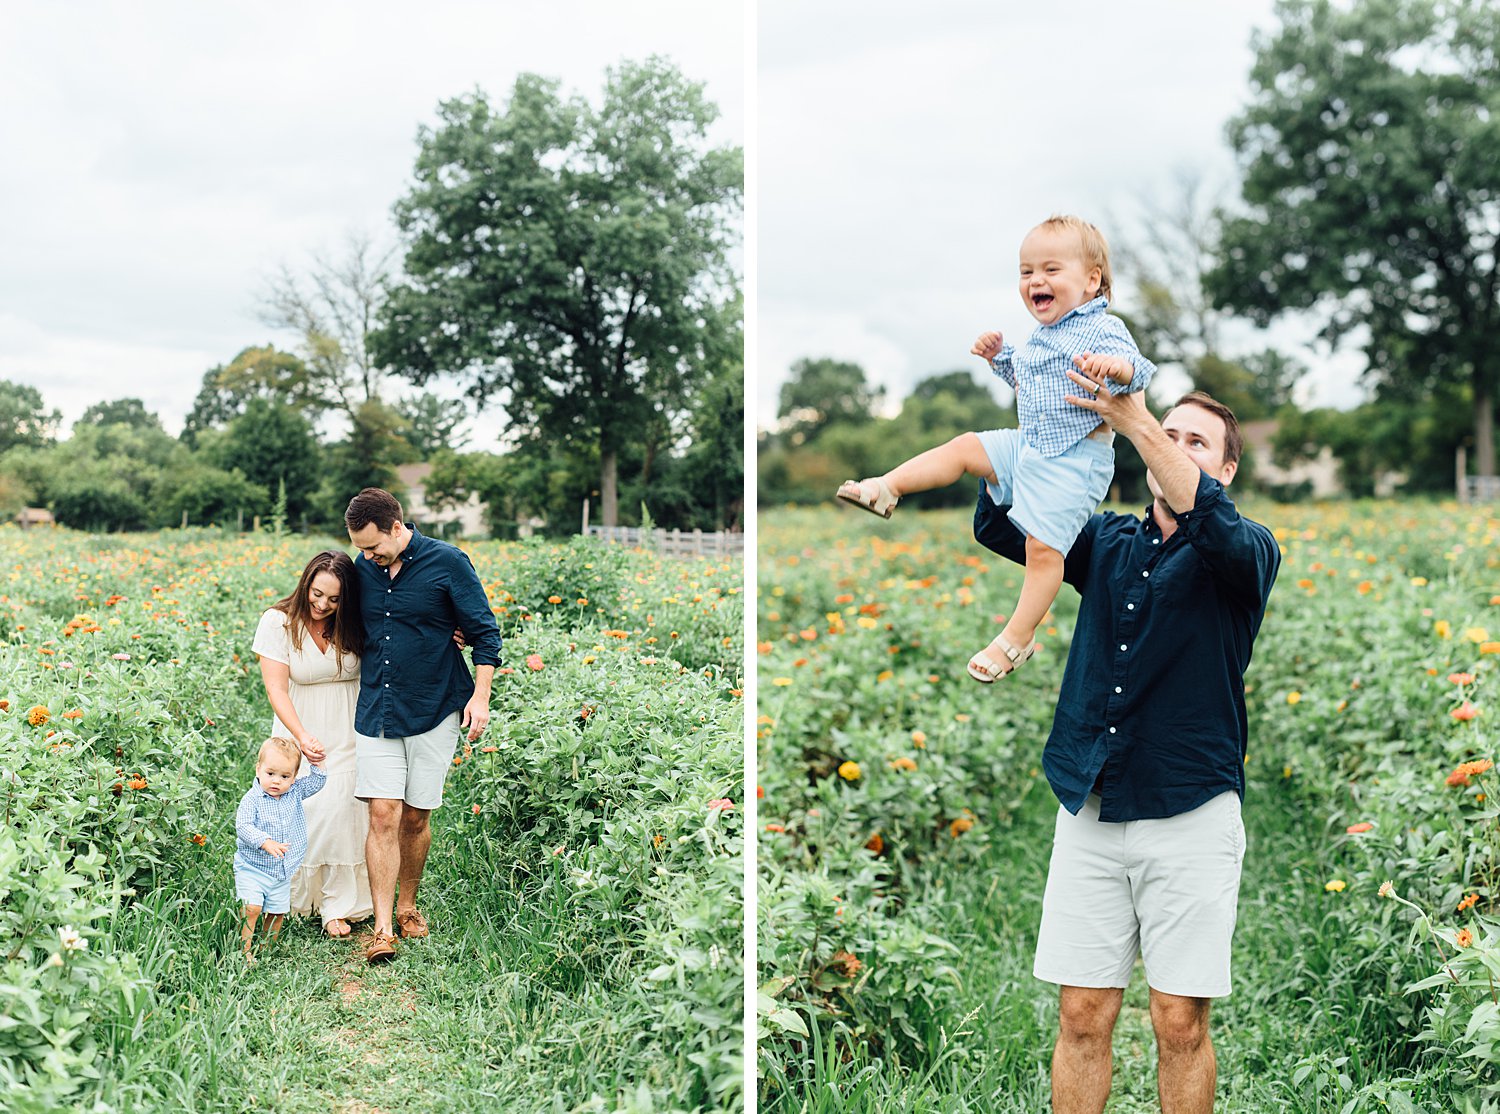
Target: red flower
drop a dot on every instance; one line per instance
(1363, 826)
(534, 662)
(723, 804)
(1465, 711)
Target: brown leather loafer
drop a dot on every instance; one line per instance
(411, 925)
(380, 947)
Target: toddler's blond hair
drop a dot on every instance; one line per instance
(288, 749)
(1091, 243)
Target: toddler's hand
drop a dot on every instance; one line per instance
(274, 849)
(1100, 367)
(988, 346)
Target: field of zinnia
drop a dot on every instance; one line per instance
(585, 881)
(907, 827)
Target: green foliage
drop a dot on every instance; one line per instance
(1368, 154)
(24, 419)
(824, 392)
(595, 806)
(271, 444)
(570, 257)
(1344, 1000)
(432, 423)
(130, 412)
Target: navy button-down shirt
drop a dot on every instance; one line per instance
(412, 674)
(1152, 707)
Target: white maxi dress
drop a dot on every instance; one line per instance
(332, 880)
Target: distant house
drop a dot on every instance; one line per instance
(1320, 474)
(469, 516)
(35, 516)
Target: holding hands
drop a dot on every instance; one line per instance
(988, 346)
(1094, 372)
(311, 748)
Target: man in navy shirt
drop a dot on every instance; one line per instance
(415, 696)
(1147, 748)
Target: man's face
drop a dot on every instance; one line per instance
(378, 545)
(1200, 434)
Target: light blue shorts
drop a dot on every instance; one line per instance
(410, 769)
(1050, 497)
(256, 887)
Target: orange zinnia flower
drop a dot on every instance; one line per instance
(847, 960)
(199, 839)
(1464, 938)
(38, 715)
(1464, 712)
(1355, 829)
(136, 783)
(1468, 902)
(76, 713)
(904, 763)
(875, 843)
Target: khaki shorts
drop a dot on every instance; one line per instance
(410, 769)
(1167, 890)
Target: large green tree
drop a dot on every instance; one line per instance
(1370, 177)
(568, 258)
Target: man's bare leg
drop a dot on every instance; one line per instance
(383, 859)
(1082, 1061)
(1187, 1071)
(416, 839)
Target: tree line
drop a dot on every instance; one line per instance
(1369, 204)
(572, 263)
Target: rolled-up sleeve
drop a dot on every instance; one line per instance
(244, 824)
(475, 618)
(1003, 365)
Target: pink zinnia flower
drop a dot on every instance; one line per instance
(722, 803)
(534, 662)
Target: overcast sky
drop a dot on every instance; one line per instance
(905, 151)
(162, 158)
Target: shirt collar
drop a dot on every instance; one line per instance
(414, 547)
(1096, 305)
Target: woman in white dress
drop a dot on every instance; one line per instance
(309, 647)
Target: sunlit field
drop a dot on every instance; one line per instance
(584, 885)
(906, 825)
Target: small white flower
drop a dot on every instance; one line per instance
(55, 961)
(71, 939)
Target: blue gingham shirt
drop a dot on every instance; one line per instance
(1151, 714)
(1037, 372)
(261, 817)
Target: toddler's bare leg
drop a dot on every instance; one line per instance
(1039, 588)
(273, 924)
(941, 466)
(247, 931)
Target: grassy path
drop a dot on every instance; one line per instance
(468, 1019)
(1297, 995)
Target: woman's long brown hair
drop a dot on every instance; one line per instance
(348, 627)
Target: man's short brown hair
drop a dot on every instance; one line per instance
(372, 505)
(1234, 442)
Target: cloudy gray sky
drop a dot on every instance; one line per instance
(162, 158)
(905, 150)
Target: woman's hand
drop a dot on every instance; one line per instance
(311, 749)
(458, 638)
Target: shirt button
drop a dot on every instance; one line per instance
(387, 614)
(387, 686)
(1156, 541)
(1111, 730)
(1145, 572)
(1130, 607)
(388, 638)
(1117, 687)
(1122, 647)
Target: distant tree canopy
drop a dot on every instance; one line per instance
(24, 420)
(573, 259)
(1369, 155)
(824, 392)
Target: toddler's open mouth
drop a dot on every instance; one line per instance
(1041, 301)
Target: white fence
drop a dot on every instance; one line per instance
(1479, 489)
(672, 543)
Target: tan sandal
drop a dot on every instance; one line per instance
(989, 670)
(884, 502)
(328, 928)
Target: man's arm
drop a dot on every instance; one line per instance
(481, 631)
